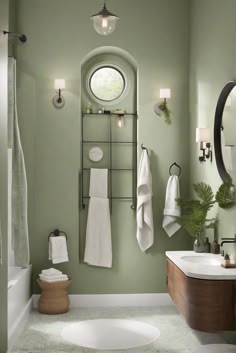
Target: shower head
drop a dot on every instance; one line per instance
(22, 37)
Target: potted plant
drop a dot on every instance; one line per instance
(194, 212)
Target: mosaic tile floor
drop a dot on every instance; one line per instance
(43, 332)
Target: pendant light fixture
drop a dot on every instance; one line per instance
(104, 22)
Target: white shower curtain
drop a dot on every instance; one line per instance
(20, 238)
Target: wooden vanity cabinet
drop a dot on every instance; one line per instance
(207, 305)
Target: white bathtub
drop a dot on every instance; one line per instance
(19, 298)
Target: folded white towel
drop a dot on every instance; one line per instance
(58, 249)
(51, 272)
(98, 183)
(145, 229)
(171, 210)
(51, 280)
(98, 248)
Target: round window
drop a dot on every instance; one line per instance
(107, 83)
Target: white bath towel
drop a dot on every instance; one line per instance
(51, 272)
(226, 153)
(98, 248)
(58, 249)
(53, 278)
(227, 157)
(98, 183)
(171, 210)
(145, 230)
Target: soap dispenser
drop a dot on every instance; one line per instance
(207, 245)
(215, 247)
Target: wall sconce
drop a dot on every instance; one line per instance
(165, 93)
(104, 22)
(58, 99)
(203, 136)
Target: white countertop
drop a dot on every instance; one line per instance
(201, 270)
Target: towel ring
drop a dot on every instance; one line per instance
(56, 233)
(176, 165)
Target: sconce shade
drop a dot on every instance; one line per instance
(202, 134)
(59, 84)
(165, 93)
(104, 22)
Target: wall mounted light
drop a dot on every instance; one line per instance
(120, 121)
(104, 22)
(159, 108)
(203, 137)
(58, 99)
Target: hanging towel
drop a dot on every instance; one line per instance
(226, 153)
(20, 238)
(227, 158)
(98, 183)
(58, 249)
(145, 230)
(98, 247)
(171, 210)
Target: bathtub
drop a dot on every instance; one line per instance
(19, 299)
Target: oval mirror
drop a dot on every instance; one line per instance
(224, 133)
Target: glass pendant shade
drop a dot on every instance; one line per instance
(104, 22)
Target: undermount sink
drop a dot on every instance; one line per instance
(203, 260)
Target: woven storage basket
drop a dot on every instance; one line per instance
(54, 297)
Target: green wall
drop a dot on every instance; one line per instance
(3, 177)
(212, 65)
(60, 35)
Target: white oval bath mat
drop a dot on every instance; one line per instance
(110, 334)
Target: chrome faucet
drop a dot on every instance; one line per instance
(228, 240)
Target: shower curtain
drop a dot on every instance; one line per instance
(20, 240)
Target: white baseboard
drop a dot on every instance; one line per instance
(19, 324)
(109, 300)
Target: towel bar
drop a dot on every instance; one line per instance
(56, 233)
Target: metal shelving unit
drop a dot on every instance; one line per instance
(110, 168)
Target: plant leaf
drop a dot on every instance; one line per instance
(204, 192)
(225, 195)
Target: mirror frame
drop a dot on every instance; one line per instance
(225, 176)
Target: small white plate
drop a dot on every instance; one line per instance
(95, 154)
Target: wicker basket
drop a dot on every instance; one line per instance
(54, 297)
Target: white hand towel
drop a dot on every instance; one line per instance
(98, 183)
(145, 230)
(58, 249)
(53, 278)
(227, 157)
(171, 210)
(51, 272)
(98, 248)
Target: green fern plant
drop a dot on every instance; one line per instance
(225, 195)
(166, 111)
(194, 212)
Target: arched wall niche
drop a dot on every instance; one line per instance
(120, 60)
